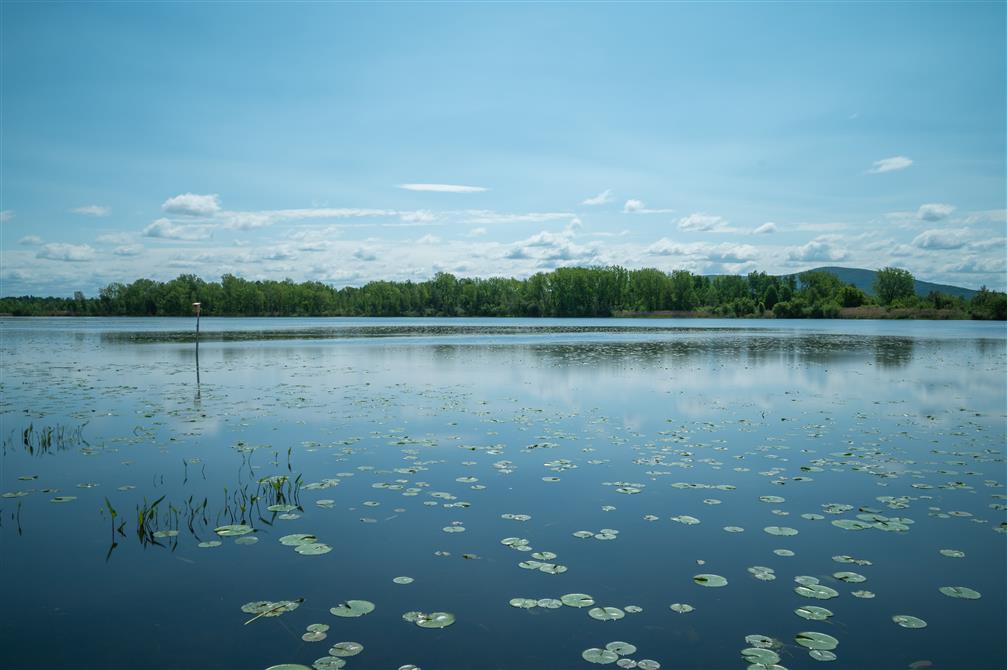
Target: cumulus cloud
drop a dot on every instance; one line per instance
(92, 210)
(191, 204)
(941, 239)
(765, 229)
(698, 221)
(639, 207)
(74, 253)
(824, 248)
(477, 232)
(30, 240)
(444, 188)
(428, 239)
(128, 250)
(165, 229)
(362, 254)
(600, 199)
(517, 253)
(718, 253)
(934, 211)
(890, 164)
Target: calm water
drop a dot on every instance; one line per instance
(409, 427)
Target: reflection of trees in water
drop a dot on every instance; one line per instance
(893, 352)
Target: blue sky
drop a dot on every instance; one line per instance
(328, 141)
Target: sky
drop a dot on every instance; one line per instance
(346, 143)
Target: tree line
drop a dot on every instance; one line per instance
(565, 292)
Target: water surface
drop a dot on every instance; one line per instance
(411, 426)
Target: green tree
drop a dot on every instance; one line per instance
(894, 284)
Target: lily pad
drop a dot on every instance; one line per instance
(233, 530)
(710, 580)
(621, 648)
(606, 613)
(960, 592)
(909, 621)
(600, 656)
(813, 640)
(353, 608)
(403, 580)
(577, 600)
(682, 608)
(346, 649)
(435, 620)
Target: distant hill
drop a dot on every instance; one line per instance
(864, 280)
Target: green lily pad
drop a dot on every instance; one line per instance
(909, 621)
(524, 603)
(849, 577)
(682, 608)
(813, 612)
(209, 544)
(960, 592)
(318, 627)
(353, 608)
(601, 656)
(822, 655)
(813, 640)
(760, 656)
(346, 649)
(577, 600)
(953, 553)
(233, 530)
(312, 549)
(329, 663)
(816, 591)
(710, 580)
(314, 636)
(606, 613)
(435, 620)
(780, 530)
(621, 648)
(403, 580)
(63, 499)
(298, 539)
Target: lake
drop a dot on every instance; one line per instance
(834, 474)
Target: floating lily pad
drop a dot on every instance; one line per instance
(312, 549)
(329, 663)
(863, 594)
(601, 656)
(813, 612)
(288, 666)
(248, 539)
(298, 539)
(523, 603)
(621, 648)
(761, 641)
(952, 553)
(813, 640)
(909, 621)
(606, 613)
(233, 530)
(435, 620)
(849, 577)
(353, 608)
(63, 499)
(780, 530)
(710, 580)
(346, 649)
(209, 544)
(760, 656)
(816, 591)
(318, 627)
(682, 608)
(577, 600)
(822, 655)
(403, 580)
(960, 592)
(314, 636)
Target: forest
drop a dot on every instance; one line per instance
(565, 292)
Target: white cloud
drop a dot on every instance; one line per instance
(934, 211)
(600, 199)
(443, 188)
(128, 250)
(6, 215)
(639, 207)
(250, 220)
(489, 217)
(699, 221)
(362, 254)
(92, 210)
(765, 229)
(191, 204)
(30, 240)
(75, 253)
(891, 164)
(719, 253)
(941, 239)
(165, 229)
(517, 253)
(824, 248)
(428, 239)
(419, 216)
(477, 232)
